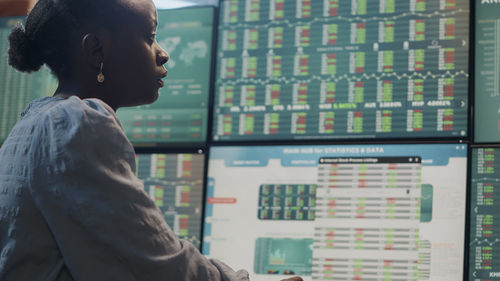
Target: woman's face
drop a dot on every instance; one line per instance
(133, 64)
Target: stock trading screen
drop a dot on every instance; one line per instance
(353, 212)
(180, 113)
(18, 89)
(484, 249)
(302, 69)
(487, 74)
(175, 183)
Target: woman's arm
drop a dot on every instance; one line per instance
(106, 226)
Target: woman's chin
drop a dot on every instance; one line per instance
(155, 97)
(149, 99)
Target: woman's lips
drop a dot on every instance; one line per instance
(160, 83)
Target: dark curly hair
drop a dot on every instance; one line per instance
(49, 27)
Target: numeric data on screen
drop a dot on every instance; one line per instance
(350, 212)
(484, 247)
(175, 183)
(302, 69)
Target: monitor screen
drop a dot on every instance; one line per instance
(487, 74)
(302, 69)
(175, 183)
(353, 212)
(17, 89)
(180, 113)
(484, 249)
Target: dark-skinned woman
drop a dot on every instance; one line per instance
(71, 207)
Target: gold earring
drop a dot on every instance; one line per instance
(100, 76)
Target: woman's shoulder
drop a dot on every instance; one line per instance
(73, 112)
(76, 108)
(75, 128)
(48, 107)
(55, 128)
(61, 121)
(90, 106)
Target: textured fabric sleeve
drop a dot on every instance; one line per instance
(106, 226)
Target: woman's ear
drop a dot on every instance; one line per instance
(92, 49)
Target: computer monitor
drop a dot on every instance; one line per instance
(175, 182)
(302, 69)
(343, 212)
(487, 74)
(484, 251)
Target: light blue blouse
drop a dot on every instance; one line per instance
(71, 207)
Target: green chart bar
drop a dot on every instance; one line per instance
(252, 11)
(388, 64)
(249, 124)
(273, 94)
(328, 122)
(332, 8)
(228, 124)
(274, 66)
(418, 89)
(360, 33)
(331, 64)
(277, 10)
(277, 37)
(387, 91)
(419, 5)
(250, 66)
(418, 120)
(386, 120)
(231, 15)
(304, 38)
(329, 90)
(228, 99)
(358, 122)
(229, 68)
(331, 36)
(390, 6)
(249, 95)
(389, 31)
(232, 36)
(301, 65)
(272, 123)
(359, 7)
(252, 41)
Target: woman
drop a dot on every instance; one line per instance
(71, 206)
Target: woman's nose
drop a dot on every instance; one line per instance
(162, 58)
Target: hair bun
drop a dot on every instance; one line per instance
(23, 56)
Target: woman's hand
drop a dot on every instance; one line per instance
(296, 278)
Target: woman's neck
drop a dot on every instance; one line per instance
(68, 88)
